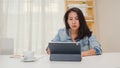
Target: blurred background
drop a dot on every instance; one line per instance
(31, 24)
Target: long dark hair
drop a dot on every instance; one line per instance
(83, 29)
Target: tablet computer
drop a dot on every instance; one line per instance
(65, 51)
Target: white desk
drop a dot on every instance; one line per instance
(106, 60)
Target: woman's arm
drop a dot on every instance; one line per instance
(88, 53)
(95, 47)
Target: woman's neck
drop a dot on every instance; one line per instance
(74, 32)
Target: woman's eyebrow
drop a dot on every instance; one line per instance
(70, 17)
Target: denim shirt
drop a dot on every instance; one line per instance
(85, 43)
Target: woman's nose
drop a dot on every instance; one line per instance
(73, 21)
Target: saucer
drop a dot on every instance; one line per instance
(29, 60)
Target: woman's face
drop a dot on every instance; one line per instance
(73, 21)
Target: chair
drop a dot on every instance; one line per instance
(6, 46)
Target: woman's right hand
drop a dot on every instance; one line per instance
(48, 51)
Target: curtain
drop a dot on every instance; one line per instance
(32, 23)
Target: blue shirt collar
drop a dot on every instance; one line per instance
(69, 36)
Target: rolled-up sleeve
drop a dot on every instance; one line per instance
(95, 45)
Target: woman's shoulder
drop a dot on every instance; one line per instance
(62, 34)
(62, 30)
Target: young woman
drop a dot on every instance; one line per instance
(77, 31)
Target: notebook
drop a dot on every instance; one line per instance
(65, 51)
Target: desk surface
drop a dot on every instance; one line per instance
(106, 60)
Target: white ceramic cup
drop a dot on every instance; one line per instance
(28, 55)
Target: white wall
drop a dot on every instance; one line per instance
(108, 23)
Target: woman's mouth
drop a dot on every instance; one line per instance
(74, 26)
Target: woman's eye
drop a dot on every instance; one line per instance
(70, 19)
